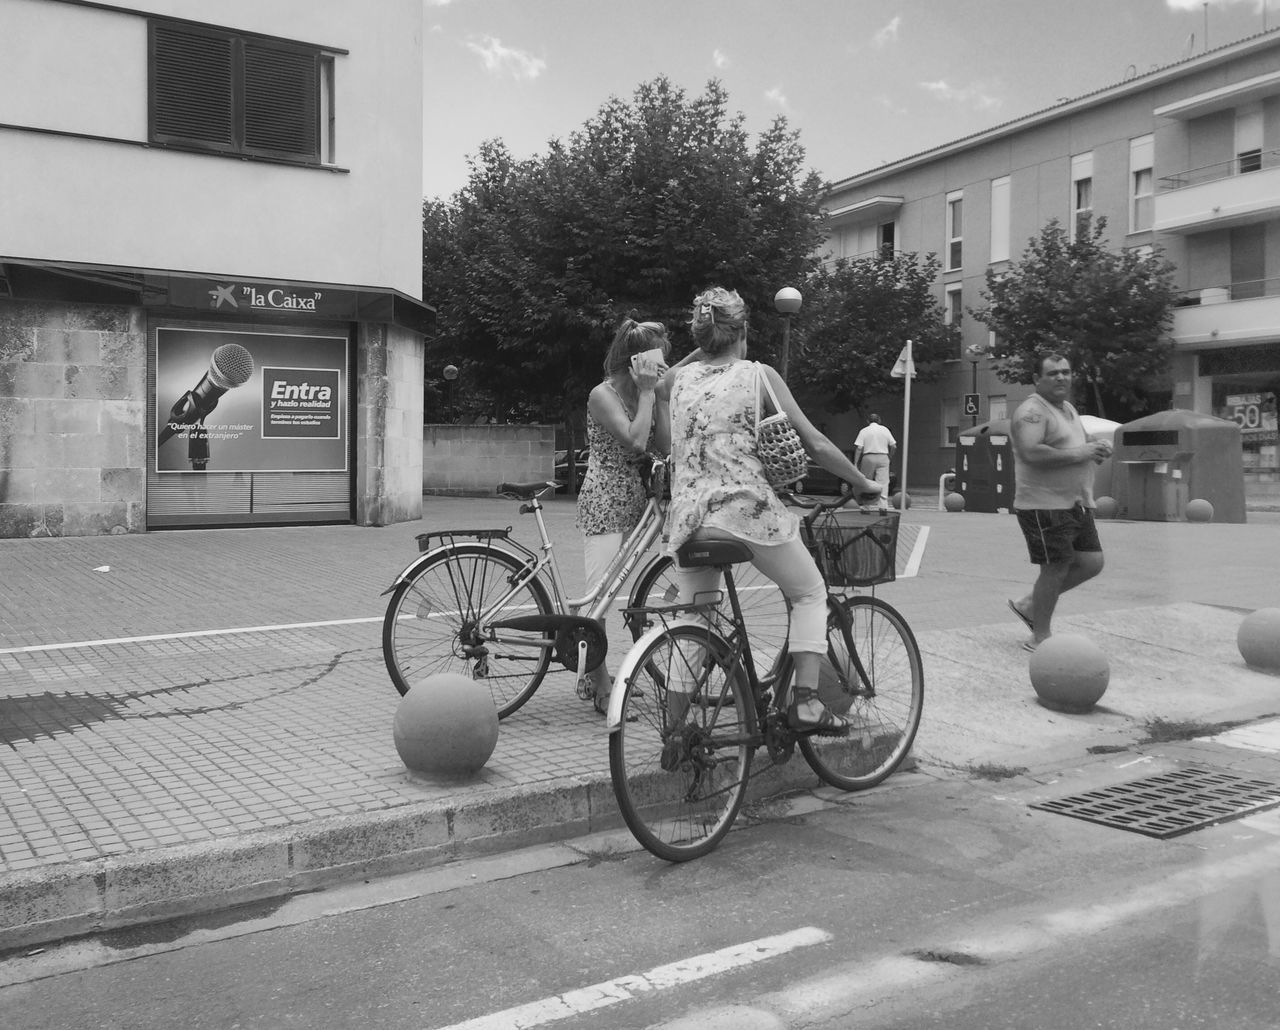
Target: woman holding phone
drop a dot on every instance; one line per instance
(619, 432)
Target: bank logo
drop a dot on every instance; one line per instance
(222, 295)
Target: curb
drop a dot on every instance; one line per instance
(75, 899)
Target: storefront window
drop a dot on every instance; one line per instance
(1255, 412)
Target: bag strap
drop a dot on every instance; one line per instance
(763, 380)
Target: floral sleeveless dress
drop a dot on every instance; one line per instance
(716, 478)
(611, 498)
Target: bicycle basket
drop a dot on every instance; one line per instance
(854, 548)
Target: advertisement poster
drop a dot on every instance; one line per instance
(250, 402)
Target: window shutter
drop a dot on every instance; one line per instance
(192, 95)
(281, 88)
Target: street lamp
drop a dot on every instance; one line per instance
(975, 352)
(787, 300)
(450, 374)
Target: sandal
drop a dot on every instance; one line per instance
(827, 724)
(1026, 619)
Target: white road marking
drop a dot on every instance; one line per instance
(912, 567)
(624, 988)
(32, 648)
(1260, 736)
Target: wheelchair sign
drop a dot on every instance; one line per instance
(972, 403)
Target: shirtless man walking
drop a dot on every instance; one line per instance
(1053, 495)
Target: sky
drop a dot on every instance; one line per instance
(864, 82)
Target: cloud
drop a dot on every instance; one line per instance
(776, 97)
(891, 106)
(720, 59)
(966, 96)
(501, 60)
(888, 34)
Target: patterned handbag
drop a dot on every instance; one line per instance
(777, 443)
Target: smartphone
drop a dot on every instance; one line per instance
(654, 356)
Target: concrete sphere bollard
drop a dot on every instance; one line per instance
(1199, 510)
(953, 502)
(446, 724)
(1106, 507)
(1069, 673)
(896, 498)
(1259, 639)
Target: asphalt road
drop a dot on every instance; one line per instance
(926, 903)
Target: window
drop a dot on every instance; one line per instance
(1000, 219)
(950, 421)
(1249, 138)
(234, 94)
(888, 232)
(997, 406)
(1081, 194)
(1142, 183)
(955, 229)
(954, 309)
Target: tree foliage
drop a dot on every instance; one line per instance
(858, 316)
(1107, 311)
(533, 263)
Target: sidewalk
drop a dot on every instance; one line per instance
(196, 719)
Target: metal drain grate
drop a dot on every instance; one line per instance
(1172, 803)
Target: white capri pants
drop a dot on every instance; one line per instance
(790, 566)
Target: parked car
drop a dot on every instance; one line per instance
(561, 475)
(819, 481)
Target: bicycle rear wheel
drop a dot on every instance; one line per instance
(681, 756)
(432, 625)
(764, 608)
(884, 708)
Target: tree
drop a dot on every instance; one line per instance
(1107, 311)
(858, 315)
(533, 264)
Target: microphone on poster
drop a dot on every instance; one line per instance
(230, 366)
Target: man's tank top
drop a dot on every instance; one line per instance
(1053, 486)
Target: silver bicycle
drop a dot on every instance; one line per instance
(480, 603)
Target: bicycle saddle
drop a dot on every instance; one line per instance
(712, 547)
(525, 491)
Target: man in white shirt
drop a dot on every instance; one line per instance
(872, 450)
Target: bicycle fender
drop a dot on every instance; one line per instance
(613, 720)
(411, 570)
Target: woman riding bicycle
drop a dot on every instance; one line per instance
(706, 413)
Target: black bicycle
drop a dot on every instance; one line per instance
(689, 709)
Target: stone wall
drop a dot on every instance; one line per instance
(473, 460)
(388, 444)
(72, 394)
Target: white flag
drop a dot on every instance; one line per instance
(905, 365)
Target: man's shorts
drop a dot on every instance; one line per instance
(1054, 535)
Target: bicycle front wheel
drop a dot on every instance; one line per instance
(884, 700)
(681, 756)
(765, 611)
(433, 625)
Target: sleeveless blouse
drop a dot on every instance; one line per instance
(717, 480)
(611, 498)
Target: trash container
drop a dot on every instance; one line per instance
(1173, 457)
(984, 467)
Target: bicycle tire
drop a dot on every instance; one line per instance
(679, 794)
(765, 610)
(428, 613)
(885, 722)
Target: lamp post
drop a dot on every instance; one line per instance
(450, 374)
(787, 300)
(975, 351)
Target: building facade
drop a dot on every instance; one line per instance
(210, 264)
(1184, 159)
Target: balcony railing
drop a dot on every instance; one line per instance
(1245, 290)
(1241, 164)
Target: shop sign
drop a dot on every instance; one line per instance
(1255, 414)
(226, 297)
(250, 402)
